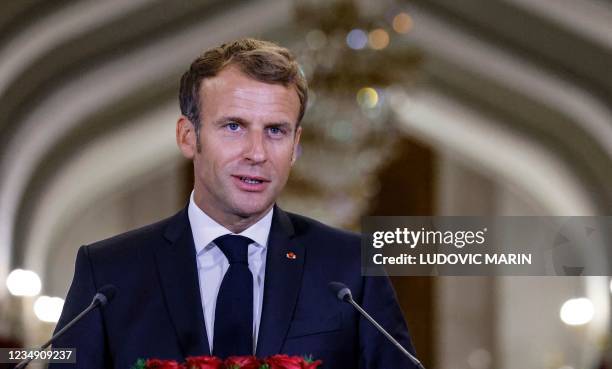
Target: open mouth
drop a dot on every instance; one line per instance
(250, 180)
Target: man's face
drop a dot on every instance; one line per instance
(248, 140)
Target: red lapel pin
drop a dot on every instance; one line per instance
(291, 255)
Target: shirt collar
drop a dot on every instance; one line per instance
(205, 229)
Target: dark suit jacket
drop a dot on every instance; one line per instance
(157, 311)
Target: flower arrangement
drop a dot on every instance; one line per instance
(232, 362)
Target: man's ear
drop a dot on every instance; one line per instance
(186, 137)
(296, 145)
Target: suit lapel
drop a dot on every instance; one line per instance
(176, 262)
(282, 284)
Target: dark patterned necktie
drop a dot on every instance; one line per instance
(234, 310)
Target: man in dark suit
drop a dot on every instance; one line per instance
(233, 274)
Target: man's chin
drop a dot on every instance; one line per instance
(245, 210)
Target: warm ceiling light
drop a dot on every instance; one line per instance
(23, 283)
(402, 23)
(378, 39)
(48, 309)
(577, 311)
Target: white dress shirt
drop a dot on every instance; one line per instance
(212, 263)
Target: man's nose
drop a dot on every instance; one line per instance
(256, 149)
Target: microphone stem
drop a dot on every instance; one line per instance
(383, 331)
(92, 306)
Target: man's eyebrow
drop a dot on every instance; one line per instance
(282, 124)
(226, 119)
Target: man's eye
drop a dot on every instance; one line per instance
(275, 131)
(233, 126)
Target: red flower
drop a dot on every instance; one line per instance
(204, 362)
(242, 362)
(284, 362)
(162, 364)
(311, 365)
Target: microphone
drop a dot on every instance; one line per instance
(102, 298)
(343, 293)
(105, 295)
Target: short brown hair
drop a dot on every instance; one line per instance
(263, 61)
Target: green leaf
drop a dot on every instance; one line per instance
(140, 364)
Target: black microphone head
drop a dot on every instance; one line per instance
(341, 291)
(105, 294)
